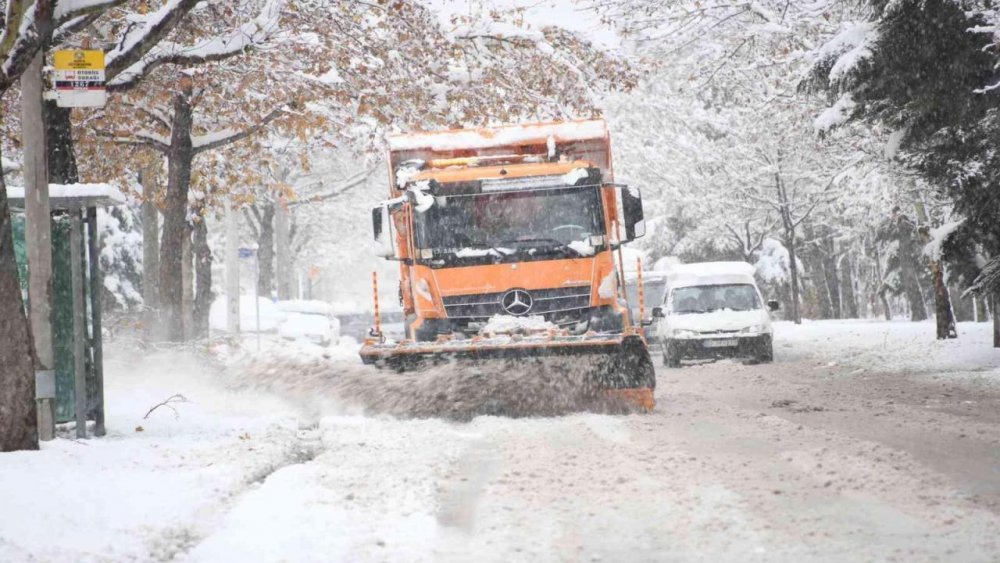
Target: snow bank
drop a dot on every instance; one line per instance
(506, 324)
(153, 485)
(883, 346)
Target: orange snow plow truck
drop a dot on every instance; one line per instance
(508, 241)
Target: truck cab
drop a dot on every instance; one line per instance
(519, 224)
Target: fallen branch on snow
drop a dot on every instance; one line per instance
(178, 398)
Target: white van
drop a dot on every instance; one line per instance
(713, 310)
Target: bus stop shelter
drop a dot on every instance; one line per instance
(77, 380)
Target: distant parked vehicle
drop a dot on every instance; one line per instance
(309, 321)
(654, 285)
(713, 310)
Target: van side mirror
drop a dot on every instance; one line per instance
(385, 236)
(773, 305)
(658, 313)
(635, 224)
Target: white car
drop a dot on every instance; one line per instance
(309, 321)
(714, 310)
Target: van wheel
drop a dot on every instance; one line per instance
(765, 354)
(671, 358)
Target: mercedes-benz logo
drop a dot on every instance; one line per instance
(516, 302)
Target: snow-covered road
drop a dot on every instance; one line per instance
(828, 454)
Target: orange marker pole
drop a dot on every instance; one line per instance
(642, 291)
(378, 315)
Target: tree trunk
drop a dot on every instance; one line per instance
(943, 313)
(265, 251)
(793, 266)
(994, 303)
(175, 226)
(831, 274)
(283, 250)
(847, 294)
(793, 271)
(203, 277)
(907, 269)
(187, 286)
(232, 271)
(815, 260)
(150, 262)
(18, 413)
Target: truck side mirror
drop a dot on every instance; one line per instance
(658, 313)
(773, 305)
(385, 238)
(635, 224)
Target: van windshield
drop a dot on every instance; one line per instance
(709, 298)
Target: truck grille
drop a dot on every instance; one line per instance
(544, 301)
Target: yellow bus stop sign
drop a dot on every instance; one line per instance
(79, 78)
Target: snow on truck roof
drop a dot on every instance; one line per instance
(487, 137)
(710, 273)
(462, 174)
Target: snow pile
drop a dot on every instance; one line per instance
(889, 346)
(155, 484)
(581, 247)
(506, 324)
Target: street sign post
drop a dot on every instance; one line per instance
(79, 79)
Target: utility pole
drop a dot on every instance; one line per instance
(38, 237)
(232, 271)
(283, 249)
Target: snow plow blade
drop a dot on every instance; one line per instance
(619, 365)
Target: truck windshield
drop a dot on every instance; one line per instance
(709, 298)
(528, 223)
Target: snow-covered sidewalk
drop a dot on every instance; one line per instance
(152, 485)
(244, 472)
(889, 346)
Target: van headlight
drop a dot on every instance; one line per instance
(754, 329)
(683, 333)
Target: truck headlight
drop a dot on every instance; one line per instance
(683, 333)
